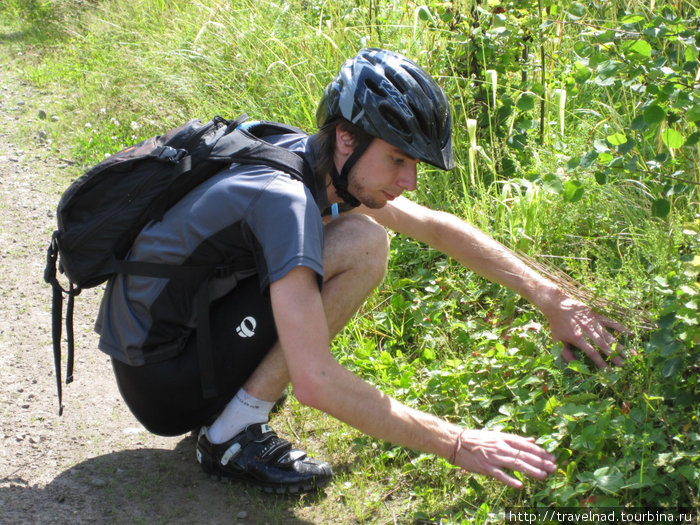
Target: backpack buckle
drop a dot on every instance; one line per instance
(170, 154)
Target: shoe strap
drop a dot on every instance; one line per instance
(230, 453)
(275, 449)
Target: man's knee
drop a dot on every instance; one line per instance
(358, 241)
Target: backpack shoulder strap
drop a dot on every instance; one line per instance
(246, 145)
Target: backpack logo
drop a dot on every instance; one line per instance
(247, 327)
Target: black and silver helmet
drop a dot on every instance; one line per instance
(394, 99)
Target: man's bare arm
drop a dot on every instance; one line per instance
(570, 320)
(321, 382)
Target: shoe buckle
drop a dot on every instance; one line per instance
(230, 453)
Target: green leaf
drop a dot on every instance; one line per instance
(517, 141)
(660, 208)
(638, 47)
(639, 124)
(693, 139)
(601, 177)
(551, 404)
(607, 71)
(424, 14)
(526, 101)
(672, 138)
(616, 139)
(583, 49)
(693, 113)
(582, 74)
(587, 159)
(385, 358)
(578, 366)
(508, 167)
(672, 367)
(609, 479)
(573, 191)
(552, 184)
(654, 114)
(689, 472)
(523, 124)
(576, 11)
(626, 146)
(606, 158)
(586, 440)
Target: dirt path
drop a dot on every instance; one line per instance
(95, 464)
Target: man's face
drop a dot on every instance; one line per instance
(381, 174)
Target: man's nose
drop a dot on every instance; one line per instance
(408, 178)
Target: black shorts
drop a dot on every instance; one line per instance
(166, 397)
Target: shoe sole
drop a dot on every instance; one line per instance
(297, 488)
(215, 473)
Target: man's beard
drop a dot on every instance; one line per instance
(358, 191)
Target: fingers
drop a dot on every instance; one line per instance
(591, 337)
(606, 345)
(606, 321)
(576, 324)
(531, 465)
(493, 452)
(586, 348)
(528, 458)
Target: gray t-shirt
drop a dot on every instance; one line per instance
(261, 219)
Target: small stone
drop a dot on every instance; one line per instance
(242, 515)
(42, 114)
(98, 482)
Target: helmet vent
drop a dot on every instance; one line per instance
(375, 88)
(420, 118)
(395, 79)
(424, 86)
(395, 121)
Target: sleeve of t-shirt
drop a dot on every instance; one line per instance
(288, 228)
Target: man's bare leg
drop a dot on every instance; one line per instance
(355, 258)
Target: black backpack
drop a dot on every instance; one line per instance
(102, 212)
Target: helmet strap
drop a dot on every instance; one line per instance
(340, 180)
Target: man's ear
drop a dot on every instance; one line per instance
(344, 141)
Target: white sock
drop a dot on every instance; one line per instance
(240, 412)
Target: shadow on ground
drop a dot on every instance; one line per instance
(145, 486)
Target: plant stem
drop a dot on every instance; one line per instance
(542, 69)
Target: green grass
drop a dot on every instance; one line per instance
(612, 201)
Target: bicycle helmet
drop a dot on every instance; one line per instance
(391, 98)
